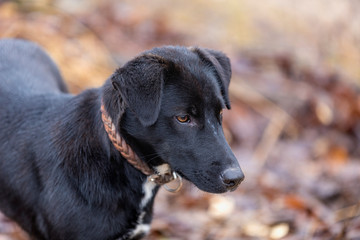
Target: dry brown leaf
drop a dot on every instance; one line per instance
(338, 155)
(295, 202)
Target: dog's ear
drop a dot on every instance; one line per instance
(140, 83)
(222, 68)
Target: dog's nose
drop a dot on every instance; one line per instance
(232, 178)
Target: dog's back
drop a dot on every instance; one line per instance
(26, 70)
(31, 88)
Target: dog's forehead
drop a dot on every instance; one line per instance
(202, 79)
(195, 79)
(195, 85)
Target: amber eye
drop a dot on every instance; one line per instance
(183, 118)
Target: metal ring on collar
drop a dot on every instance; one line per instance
(177, 178)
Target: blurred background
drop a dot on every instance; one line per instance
(294, 124)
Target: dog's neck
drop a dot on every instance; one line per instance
(161, 175)
(121, 145)
(112, 100)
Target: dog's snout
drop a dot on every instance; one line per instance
(231, 178)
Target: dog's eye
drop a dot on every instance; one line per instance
(183, 118)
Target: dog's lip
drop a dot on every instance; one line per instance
(216, 190)
(233, 188)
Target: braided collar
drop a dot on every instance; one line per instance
(159, 176)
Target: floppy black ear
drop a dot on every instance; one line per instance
(222, 68)
(140, 83)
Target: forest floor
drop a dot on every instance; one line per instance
(294, 124)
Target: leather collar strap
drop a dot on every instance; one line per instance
(158, 177)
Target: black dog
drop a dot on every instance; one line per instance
(63, 173)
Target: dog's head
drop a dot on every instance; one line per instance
(174, 99)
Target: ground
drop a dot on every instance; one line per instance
(294, 123)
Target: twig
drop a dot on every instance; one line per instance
(346, 215)
(348, 212)
(270, 137)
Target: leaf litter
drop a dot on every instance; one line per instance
(294, 124)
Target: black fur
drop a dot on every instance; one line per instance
(60, 176)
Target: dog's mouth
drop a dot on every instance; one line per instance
(215, 184)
